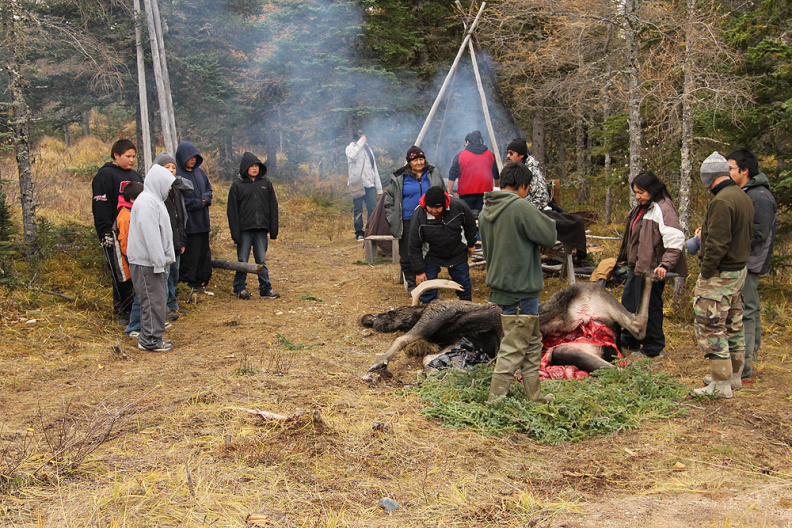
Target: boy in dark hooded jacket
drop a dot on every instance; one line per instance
(252, 216)
(436, 240)
(196, 261)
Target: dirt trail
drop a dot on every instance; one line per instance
(190, 457)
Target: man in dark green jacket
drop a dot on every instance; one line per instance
(512, 230)
(725, 245)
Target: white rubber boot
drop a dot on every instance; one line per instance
(720, 385)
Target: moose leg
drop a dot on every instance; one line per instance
(635, 323)
(399, 344)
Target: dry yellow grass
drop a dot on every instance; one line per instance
(189, 457)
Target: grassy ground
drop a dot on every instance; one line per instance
(94, 432)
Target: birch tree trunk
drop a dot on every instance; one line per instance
(631, 29)
(683, 202)
(145, 129)
(580, 147)
(606, 113)
(12, 19)
(538, 138)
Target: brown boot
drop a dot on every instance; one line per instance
(737, 362)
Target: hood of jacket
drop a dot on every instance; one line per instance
(185, 151)
(422, 203)
(158, 181)
(496, 202)
(760, 180)
(477, 148)
(248, 160)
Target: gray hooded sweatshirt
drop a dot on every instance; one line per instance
(150, 235)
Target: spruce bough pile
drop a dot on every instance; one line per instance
(611, 400)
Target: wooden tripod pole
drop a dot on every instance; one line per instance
(449, 75)
(143, 97)
(483, 97)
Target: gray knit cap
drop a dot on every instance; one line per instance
(713, 167)
(163, 158)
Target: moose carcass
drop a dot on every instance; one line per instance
(446, 321)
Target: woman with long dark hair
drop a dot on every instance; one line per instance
(653, 242)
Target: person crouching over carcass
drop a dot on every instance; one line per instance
(436, 241)
(512, 230)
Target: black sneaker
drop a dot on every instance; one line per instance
(272, 294)
(164, 346)
(244, 294)
(172, 315)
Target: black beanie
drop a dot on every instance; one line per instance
(415, 152)
(519, 146)
(435, 197)
(474, 137)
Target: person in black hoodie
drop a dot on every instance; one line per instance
(196, 261)
(437, 227)
(107, 186)
(252, 216)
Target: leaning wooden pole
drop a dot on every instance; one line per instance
(165, 76)
(170, 141)
(142, 94)
(485, 107)
(449, 75)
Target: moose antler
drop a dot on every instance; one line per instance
(432, 284)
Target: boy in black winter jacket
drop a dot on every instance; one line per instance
(436, 230)
(107, 186)
(252, 216)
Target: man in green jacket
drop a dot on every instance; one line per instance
(512, 230)
(725, 245)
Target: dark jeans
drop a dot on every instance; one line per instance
(196, 261)
(404, 255)
(474, 201)
(257, 240)
(654, 342)
(173, 279)
(370, 200)
(524, 307)
(459, 273)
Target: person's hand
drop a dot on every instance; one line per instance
(203, 202)
(420, 278)
(660, 272)
(107, 240)
(698, 233)
(471, 250)
(182, 250)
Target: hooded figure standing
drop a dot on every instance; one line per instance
(717, 304)
(476, 170)
(252, 216)
(512, 230)
(196, 261)
(150, 253)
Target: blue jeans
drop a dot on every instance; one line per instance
(173, 279)
(459, 273)
(134, 316)
(525, 307)
(474, 201)
(370, 199)
(257, 239)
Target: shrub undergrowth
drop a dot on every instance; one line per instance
(608, 402)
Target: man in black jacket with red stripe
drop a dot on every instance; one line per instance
(436, 240)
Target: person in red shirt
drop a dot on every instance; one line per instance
(476, 171)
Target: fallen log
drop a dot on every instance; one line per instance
(234, 265)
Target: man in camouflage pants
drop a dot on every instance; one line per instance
(717, 304)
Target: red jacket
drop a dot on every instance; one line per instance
(475, 168)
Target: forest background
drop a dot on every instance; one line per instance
(602, 89)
